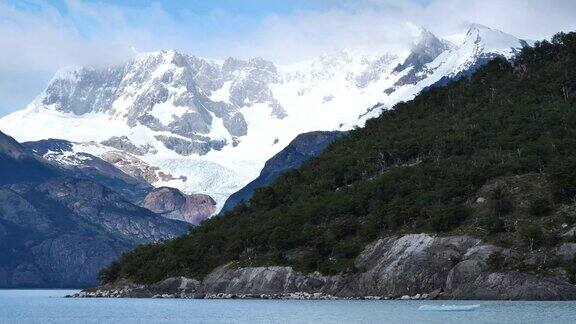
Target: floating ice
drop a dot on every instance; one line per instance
(449, 308)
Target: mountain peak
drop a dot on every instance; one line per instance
(425, 49)
(479, 27)
(493, 40)
(424, 34)
(427, 41)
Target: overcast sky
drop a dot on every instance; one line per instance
(37, 37)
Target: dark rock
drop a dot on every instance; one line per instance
(124, 144)
(199, 145)
(435, 294)
(428, 48)
(302, 148)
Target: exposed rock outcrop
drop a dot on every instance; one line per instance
(87, 166)
(302, 148)
(123, 143)
(413, 266)
(172, 203)
(137, 168)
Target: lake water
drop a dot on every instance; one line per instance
(49, 306)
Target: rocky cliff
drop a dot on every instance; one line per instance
(408, 267)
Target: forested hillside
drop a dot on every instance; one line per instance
(492, 156)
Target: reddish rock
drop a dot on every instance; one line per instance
(172, 203)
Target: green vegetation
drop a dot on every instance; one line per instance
(417, 168)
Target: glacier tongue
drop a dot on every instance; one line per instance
(208, 127)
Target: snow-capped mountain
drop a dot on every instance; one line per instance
(205, 126)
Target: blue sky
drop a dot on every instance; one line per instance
(39, 36)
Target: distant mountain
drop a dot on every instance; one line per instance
(88, 166)
(58, 230)
(18, 164)
(301, 149)
(207, 126)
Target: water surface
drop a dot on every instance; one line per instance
(49, 306)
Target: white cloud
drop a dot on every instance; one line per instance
(381, 24)
(38, 39)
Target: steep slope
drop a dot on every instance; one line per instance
(489, 157)
(302, 148)
(59, 231)
(212, 125)
(18, 164)
(88, 166)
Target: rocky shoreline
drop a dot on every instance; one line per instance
(415, 266)
(179, 288)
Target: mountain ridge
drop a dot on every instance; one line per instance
(302, 148)
(215, 124)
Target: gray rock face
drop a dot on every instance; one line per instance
(123, 143)
(173, 204)
(103, 207)
(428, 48)
(375, 71)
(229, 279)
(201, 145)
(410, 265)
(84, 90)
(567, 251)
(465, 282)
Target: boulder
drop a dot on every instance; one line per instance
(173, 204)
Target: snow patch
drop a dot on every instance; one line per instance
(167, 112)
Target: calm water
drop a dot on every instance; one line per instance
(48, 306)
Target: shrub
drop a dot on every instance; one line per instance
(531, 235)
(264, 198)
(495, 225)
(502, 205)
(540, 207)
(551, 238)
(563, 175)
(445, 219)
